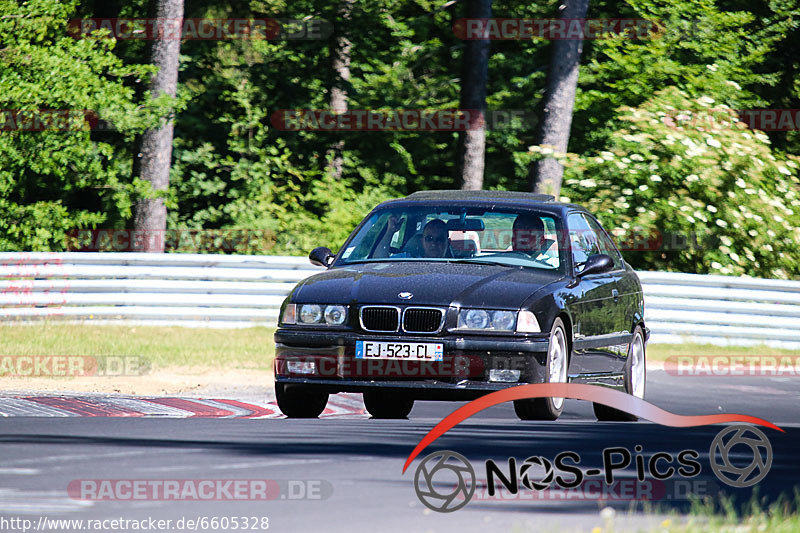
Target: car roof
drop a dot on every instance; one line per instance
(504, 198)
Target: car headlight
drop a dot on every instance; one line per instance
(486, 319)
(335, 315)
(475, 319)
(527, 323)
(319, 314)
(503, 320)
(310, 314)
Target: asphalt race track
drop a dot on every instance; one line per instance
(344, 473)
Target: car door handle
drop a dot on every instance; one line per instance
(615, 294)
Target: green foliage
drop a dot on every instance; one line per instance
(684, 166)
(233, 169)
(243, 172)
(59, 179)
(697, 46)
(726, 515)
(342, 209)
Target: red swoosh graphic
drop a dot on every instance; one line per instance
(578, 391)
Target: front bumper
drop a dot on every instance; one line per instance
(463, 373)
(419, 390)
(316, 338)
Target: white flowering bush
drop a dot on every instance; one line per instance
(710, 195)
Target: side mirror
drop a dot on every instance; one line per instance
(321, 256)
(597, 264)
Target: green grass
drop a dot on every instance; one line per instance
(721, 516)
(660, 352)
(203, 348)
(709, 515)
(163, 347)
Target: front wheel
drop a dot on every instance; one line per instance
(299, 401)
(555, 372)
(381, 404)
(634, 380)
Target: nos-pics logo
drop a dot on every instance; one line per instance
(445, 469)
(445, 480)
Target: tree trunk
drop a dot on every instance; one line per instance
(340, 62)
(559, 100)
(472, 142)
(155, 154)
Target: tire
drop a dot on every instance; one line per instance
(300, 402)
(558, 356)
(381, 404)
(635, 376)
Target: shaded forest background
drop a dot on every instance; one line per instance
(655, 148)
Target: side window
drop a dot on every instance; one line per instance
(583, 239)
(606, 244)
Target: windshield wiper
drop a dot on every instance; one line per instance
(477, 260)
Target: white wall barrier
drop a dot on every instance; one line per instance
(721, 309)
(241, 291)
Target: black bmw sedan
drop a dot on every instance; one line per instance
(449, 295)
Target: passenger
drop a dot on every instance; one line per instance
(382, 248)
(432, 243)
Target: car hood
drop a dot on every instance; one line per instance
(430, 283)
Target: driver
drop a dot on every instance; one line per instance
(528, 237)
(528, 234)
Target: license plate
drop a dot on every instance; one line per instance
(407, 351)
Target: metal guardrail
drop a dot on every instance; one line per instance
(721, 309)
(241, 291)
(158, 289)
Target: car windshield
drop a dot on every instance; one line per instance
(503, 236)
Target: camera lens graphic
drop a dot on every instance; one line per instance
(721, 458)
(443, 496)
(536, 463)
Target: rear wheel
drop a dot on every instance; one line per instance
(381, 404)
(300, 402)
(555, 372)
(634, 380)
